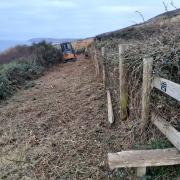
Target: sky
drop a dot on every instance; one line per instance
(26, 19)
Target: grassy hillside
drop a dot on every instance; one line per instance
(150, 27)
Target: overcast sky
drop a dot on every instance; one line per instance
(25, 19)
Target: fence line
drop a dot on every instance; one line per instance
(109, 99)
(96, 63)
(168, 87)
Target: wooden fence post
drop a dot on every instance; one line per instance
(141, 171)
(96, 63)
(146, 91)
(123, 82)
(103, 51)
(103, 66)
(110, 108)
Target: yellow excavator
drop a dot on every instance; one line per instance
(68, 52)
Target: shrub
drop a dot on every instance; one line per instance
(46, 54)
(25, 68)
(14, 74)
(81, 50)
(5, 87)
(43, 53)
(17, 72)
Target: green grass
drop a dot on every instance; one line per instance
(153, 173)
(168, 172)
(160, 143)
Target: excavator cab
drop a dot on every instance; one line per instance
(68, 51)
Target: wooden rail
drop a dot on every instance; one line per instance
(168, 87)
(169, 131)
(144, 158)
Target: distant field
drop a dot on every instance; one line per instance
(82, 43)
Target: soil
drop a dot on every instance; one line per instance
(58, 129)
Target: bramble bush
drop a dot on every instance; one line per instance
(46, 54)
(25, 68)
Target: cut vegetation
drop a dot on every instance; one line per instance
(57, 126)
(57, 129)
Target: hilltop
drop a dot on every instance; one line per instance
(149, 27)
(50, 40)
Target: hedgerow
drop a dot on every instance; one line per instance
(23, 69)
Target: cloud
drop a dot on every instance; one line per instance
(120, 9)
(42, 11)
(61, 4)
(23, 19)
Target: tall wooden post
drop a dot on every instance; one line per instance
(146, 91)
(103, 66)
(110, 108)
(123, 82)
(96, 63)
(103, 51)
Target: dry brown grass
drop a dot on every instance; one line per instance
(58, 129)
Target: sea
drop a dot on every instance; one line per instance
(6, 44)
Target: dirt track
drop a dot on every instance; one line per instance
(57, 129)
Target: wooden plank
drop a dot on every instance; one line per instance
(147, 76)
(123, 82)
(144, 158)
(169, 131)
(168, 87)
(141, 171)
(110, 108)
